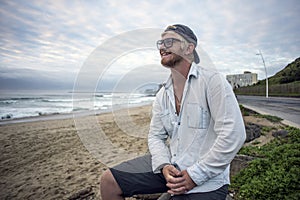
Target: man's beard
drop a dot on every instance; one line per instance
(171, 62)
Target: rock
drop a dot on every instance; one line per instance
(147, 196)
(164, 196)
(238, 163)
(7, 116)
(252, 131)
(280, 133)
(229, 197)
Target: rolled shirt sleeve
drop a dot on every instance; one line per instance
(229, 128)
(157, 138)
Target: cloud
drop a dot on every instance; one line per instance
(57, 37)
(31, 79)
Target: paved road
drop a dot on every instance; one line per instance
(285, 108)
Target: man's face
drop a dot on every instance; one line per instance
(171, 55)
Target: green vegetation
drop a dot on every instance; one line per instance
(266, 129)
(284, 90)
(247, 112)
(271, 118)
(284, 83)
(256, 142)
(289, 74)
(274, 174)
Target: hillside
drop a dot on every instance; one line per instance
(284, 83)
(289, 74)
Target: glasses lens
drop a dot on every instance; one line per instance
(159, 43)
(168, 42)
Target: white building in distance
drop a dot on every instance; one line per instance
(241, 80)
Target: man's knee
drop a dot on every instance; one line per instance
(107, 178)
(109, 187)
(108, 181)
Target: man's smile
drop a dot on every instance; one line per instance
(164, 53)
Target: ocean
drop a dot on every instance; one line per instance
(29, 104)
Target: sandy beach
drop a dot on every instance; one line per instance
(52, 160)
(64, 158)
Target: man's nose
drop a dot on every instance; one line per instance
(162, 47)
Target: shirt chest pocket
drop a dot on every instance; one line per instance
(197, 116)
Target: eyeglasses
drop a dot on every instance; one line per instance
(168, 42)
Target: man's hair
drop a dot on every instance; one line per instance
(187, 34)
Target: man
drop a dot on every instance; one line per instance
(196, 130)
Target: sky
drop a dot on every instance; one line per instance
(111, 44)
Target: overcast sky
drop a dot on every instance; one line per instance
(54, 44)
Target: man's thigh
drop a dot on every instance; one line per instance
(219, 194)
(136, 177)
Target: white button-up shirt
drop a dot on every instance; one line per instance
(205, 136)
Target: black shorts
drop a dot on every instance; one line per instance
(136, 177)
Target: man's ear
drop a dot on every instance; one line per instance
(190, 48)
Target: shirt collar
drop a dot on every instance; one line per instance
(193, 72)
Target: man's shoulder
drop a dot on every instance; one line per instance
(206, 72)
(161, 90)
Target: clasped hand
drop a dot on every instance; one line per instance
(179, 182)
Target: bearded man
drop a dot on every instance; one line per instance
(196, 130)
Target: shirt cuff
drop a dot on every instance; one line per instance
(197, 174)
(160, 167)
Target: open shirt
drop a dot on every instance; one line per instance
(207, 133)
